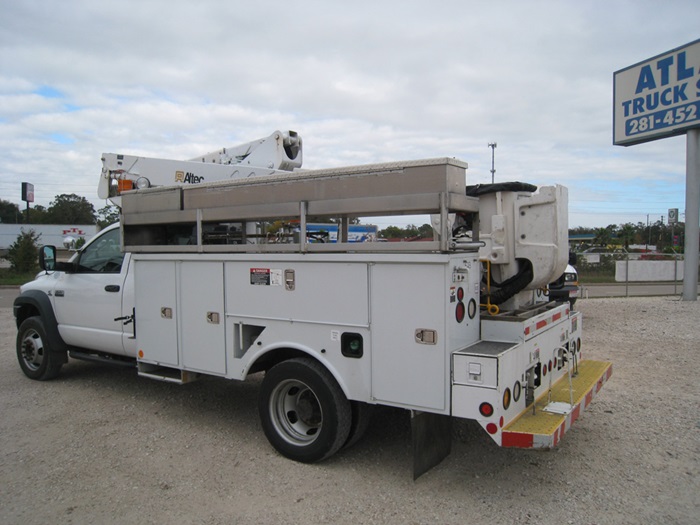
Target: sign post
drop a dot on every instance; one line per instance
(692, 215)
(660, 98)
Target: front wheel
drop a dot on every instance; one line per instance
(36, 359)
(303, 410)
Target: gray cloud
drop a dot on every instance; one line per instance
(361, 82)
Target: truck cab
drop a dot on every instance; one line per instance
(97, 275)
(566, 288)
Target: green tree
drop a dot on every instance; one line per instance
(37, 215)
(9, 212)
(626, 234)
(425, 231)
(107, 215)
(411, 231)
(71, 209)
(604, 236)
(581, 230)
(392, 232)
(23, 254)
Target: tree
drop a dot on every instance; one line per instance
(425, 231)
(604, 236)
(626, 234)
(23, 254)
(409, 232)
(391, 232)
(107, 215)
(9, 212)
(38, 215)
(71, 209)
(581, 230)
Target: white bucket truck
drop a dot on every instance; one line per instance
(192, 282)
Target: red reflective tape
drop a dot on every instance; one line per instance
(589, 397)
(527, 330)
(558, 434)
(541, 324)
(575, 413)
(517, 439)
(556, 317)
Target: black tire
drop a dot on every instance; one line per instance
(361, 417)
(303, 411)
(36, 358)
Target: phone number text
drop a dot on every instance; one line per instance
(663, 119)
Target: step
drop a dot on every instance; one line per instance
(547, 425)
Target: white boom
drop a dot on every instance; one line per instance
(280, 151)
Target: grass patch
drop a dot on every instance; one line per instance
(595, 279)
(10, 278)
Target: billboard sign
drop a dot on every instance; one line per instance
(673, 215)
(27, 192)
(657, 98)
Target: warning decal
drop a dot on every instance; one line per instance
(265, 277)
(260, 276)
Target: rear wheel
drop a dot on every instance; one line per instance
(303, 410)
(361, 417)
(36, 358)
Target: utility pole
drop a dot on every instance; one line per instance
(493, 145)
(649, 235)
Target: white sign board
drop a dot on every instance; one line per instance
(657, 98)
(673, 215)
(53, 234)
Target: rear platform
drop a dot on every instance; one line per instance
(554, 412)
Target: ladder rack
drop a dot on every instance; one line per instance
(186, 218)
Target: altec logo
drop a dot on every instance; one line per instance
(187, 178)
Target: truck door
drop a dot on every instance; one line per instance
(87, 300)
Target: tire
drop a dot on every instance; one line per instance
(36, 358)
(303, 411)
(361, 417)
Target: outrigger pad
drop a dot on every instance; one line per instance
(432, 440)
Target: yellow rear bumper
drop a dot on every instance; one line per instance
(544, 429)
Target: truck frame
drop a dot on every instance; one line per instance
(190, 283)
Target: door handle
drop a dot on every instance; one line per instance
(112, 288)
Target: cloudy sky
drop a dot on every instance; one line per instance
(361, 82)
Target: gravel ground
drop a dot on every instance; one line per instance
(100, 445)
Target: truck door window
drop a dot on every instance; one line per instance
(103, 255)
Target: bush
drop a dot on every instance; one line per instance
(23, 254)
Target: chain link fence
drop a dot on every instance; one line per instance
(630, 269)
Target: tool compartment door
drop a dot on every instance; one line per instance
(202, 316)
(156, 312)
(406, 298)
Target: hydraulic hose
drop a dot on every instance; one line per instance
(512, 285)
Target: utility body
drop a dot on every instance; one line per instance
(193, 281)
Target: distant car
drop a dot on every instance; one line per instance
(566, 287)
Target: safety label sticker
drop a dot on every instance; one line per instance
(265, 277)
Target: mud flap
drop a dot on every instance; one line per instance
(432, 440)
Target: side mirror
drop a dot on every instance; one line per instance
(47, 258)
